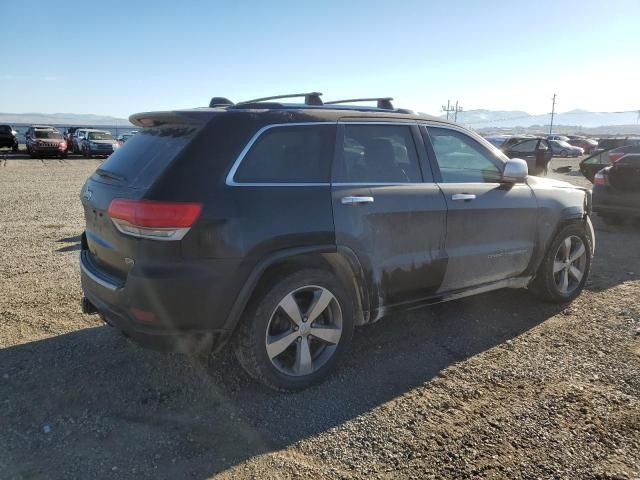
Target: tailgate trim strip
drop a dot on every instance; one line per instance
(100, 281)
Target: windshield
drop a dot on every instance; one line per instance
(100, 136)
(561, 143)
(47, 134)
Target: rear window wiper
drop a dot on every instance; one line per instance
(113, 176)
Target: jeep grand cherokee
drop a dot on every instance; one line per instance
(282, 226)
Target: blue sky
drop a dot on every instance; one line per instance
(120, 57)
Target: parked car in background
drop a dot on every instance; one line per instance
(379, 210)
(124, 137)
(561, 138)
(98, 143)
(497, 140)
(46, 142)
(535, 151)
(68, 136)
(586, 144)
(76, 140)
(602, 159)
(615, 142)
(616, 188)
(29, 133)
(563, 149)
(8, 138)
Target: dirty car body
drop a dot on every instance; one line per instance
(201, 212)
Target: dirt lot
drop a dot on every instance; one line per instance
(495, 386)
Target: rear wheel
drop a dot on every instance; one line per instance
(565, 267)
(297, 332)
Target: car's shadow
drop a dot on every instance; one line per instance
(89, 400)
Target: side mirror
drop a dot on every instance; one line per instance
(515, 171)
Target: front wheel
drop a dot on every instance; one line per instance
(296, 332)
(565, 267)
(564, 153)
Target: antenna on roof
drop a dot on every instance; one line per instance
(382, 102)
(311, 98)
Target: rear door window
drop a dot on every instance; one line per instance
(289, 154)
(378, 154)
(146, 155)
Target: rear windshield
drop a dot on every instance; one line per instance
(5, 129)
(100, 136)
(47, 134)
(145, 155)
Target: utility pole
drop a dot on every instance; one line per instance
(452, 109)
(553, 111)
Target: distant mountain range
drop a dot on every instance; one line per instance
(62, 119)
(477, 119)
(481, 119)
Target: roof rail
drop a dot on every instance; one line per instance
(382, 102)
(311, 98)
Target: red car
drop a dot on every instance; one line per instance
(586, 144)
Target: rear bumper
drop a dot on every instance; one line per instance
(188, 302)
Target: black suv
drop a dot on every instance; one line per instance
(282, 226)
(8, 138)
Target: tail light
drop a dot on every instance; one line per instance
(153, 220)
(615, 156)
(600, 179)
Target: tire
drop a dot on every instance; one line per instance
(564, 153)
(548, 282)
(265, 317)
(87, 153)
(62, 156)
(15, 148)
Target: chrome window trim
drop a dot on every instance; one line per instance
(470, 133)
(230, 181)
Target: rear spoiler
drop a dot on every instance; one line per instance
(155, 119)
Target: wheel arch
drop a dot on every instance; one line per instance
(341, 261)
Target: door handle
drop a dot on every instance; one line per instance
(463, 196)
(356, 200)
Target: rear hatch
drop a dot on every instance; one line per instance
(128, 174)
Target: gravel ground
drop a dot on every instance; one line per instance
(494, 386)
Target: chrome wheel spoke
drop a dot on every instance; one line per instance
(303, 364)
(320, 303)
(564, 281)
(304, 330)
(579, 252)
(278, 344)
(567, 247)
(575, 273)
(327, 334)
(557, 266)
(291, 308)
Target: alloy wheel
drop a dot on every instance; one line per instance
(569, 264)
(304, 331)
